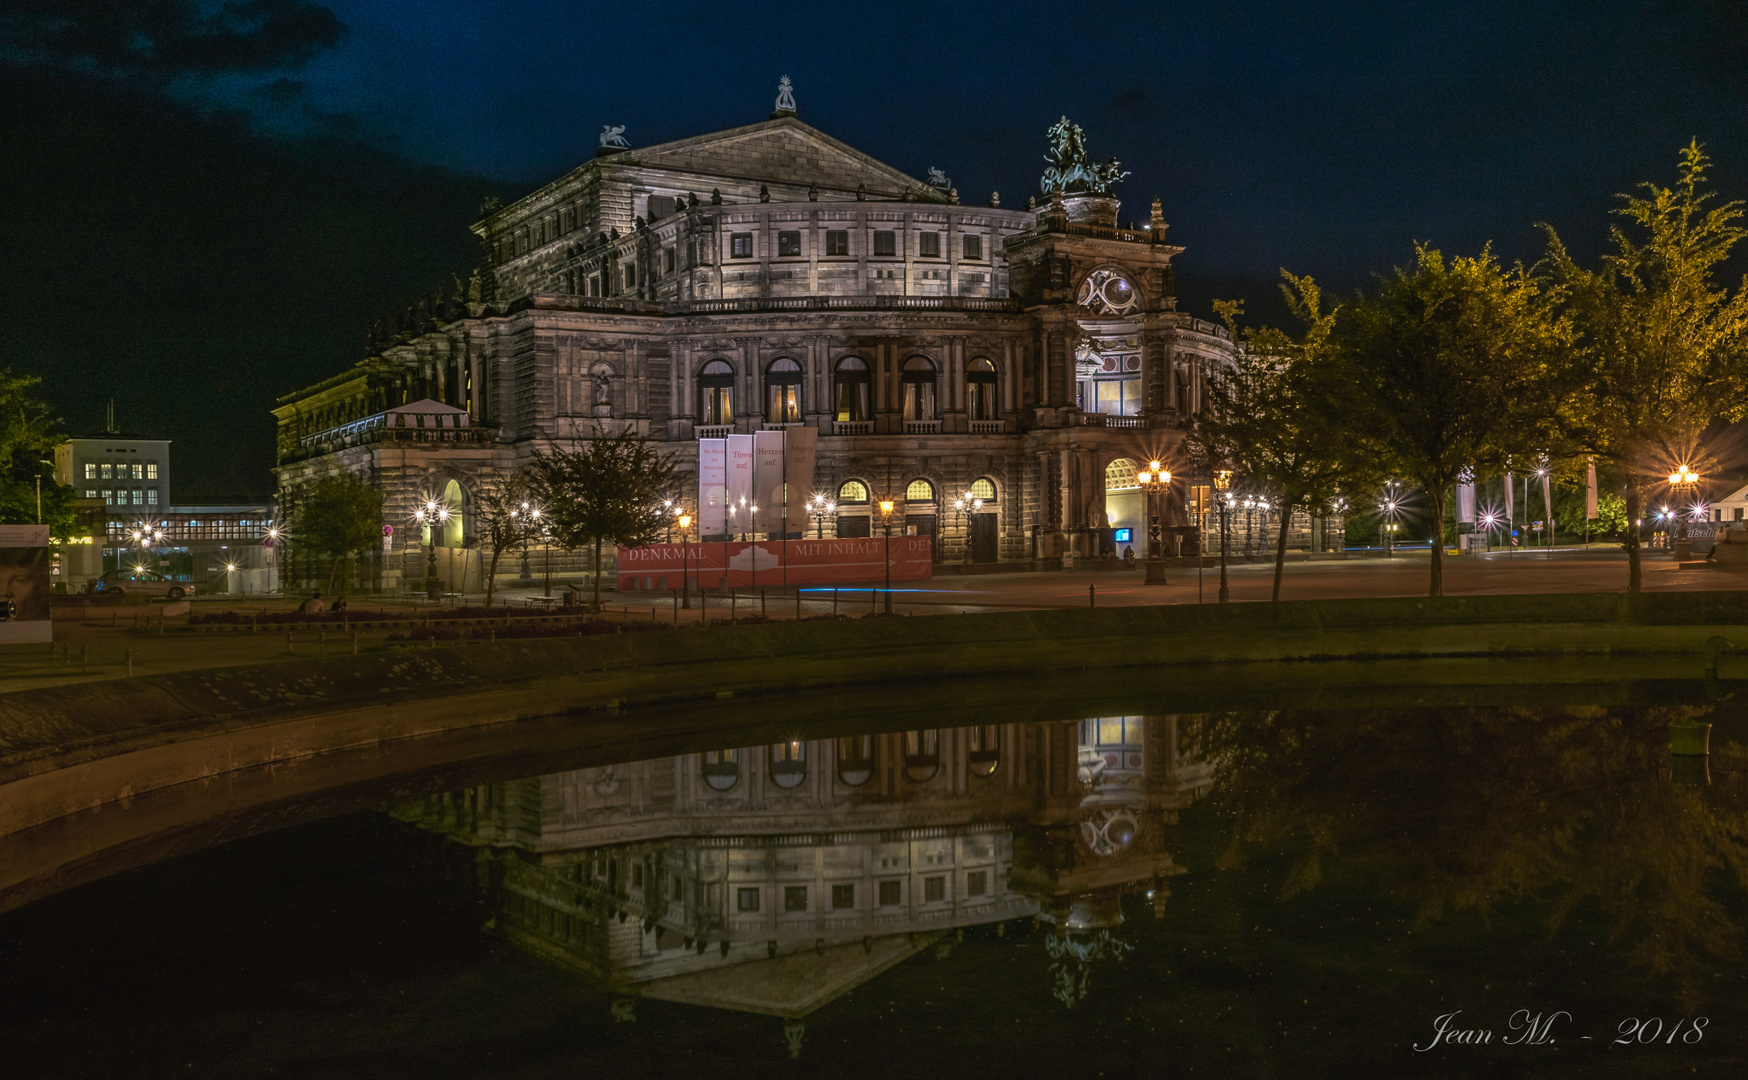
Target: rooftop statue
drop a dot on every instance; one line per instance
(613, 137)
(938, 178)
(785, 95)
(1071, 171)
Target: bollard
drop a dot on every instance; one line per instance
(354, 643)
(652, 613)
(703, 599)
(1092, 596)
(834, 601)
(130, 663)
(676, 609)
(733, 598)
(84, 662)
(288, 647)
(492, 636)
(136, 620)
(873, 602)
(254, 624)
(797, 603)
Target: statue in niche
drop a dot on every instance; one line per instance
(785, 95)
(613, 137)
(603, 404)
(1071, 170)
(764, 193)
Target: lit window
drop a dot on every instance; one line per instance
(151, 470)
(974, 247)
(107, 471)
(90, 470)
(139, 497)
(920, 491)
(976, 883)
(837, 242)
(716, 393)
(108, 496)
(852, 384)
(885, 242)
(890, 893)
(740, 245)
(934, 889)
(853, 491)
(843, 896)
(928, 245)
(747, 899)
(788, 243)
(980, 385)
(983, 488)
(151, 496)
(795, 898)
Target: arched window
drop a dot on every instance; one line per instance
(856, 759)
(919, 389)
(1122, 475)
(716, 393)
(983, 745)
(788, 763)
(850, 390)
(721, 769)
(853, 492)
(920, 490)
(783, 392)
(922, 755)
(983, 488)
(980, 384)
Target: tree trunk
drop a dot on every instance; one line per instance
(1437, 585)
(1635, 507)
(597, 604)
(332, 574)
(492, 575)
(1281, 548)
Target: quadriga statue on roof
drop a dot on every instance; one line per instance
(1071, 171)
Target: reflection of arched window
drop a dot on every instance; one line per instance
(856, 759)
(716, 393)
(920, 490)
(783, 392)
(919, 389)
(721, 769)
(980, 390)
(922, 755)
(983, 750)
(850, 390)
(853, 492)
(983, 488)
(788, 763)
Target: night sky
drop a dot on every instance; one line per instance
(206, 202)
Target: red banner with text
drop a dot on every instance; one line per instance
(774, 563)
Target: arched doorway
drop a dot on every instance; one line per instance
(454, 530)
(1125, 506)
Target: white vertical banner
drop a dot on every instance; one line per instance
(1466, 500)
(768, 481)
(712, 487)
(800, 445)
(1590, 489)
(1548, 503)
(1510, 500)
(740, 482)
(24, 582)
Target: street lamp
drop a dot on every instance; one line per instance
(820, 508)
(1154, 479)
(524, 517)
(1682, 481)
(429, 515)
(967, 505)
(685, 521)
(1223, 495)
(886, 524)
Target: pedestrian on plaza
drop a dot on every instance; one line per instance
(1129, 556)
(312, 606)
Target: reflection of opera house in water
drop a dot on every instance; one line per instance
(773, 879)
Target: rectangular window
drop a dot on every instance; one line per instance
(795, 898)
(885, 242)
(740, 245)
(974, 247)
(747, 899)
(637, 875)
(631, 275)
(1738, 513)
(107, 471)
(669, 256)
(151, 496)
(928, 245)
(139, 471)
(976, 883)
(108, 496)
(890, 891)
(91, 493)
(788, 243)
(837, 242)
(843, 896)
(139, 497)
(934, 889)
(90, 470)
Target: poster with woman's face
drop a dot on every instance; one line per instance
(24, 580)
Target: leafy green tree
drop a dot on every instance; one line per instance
(1662, 343)
(609, 491)
(29, 433)
(506, 515)
(1449, 366)
(339, 515)
(1269, 414)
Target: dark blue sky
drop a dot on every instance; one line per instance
(207, 200)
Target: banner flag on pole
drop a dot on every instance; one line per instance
(1466, 499)
(800, 445)
(768, 481)
(712, 487)
(1590, 490)
(1548, 501)
(740, 483)
(1510, 500)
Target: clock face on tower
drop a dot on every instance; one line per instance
(1106, 292)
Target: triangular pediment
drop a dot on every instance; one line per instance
(781, 151)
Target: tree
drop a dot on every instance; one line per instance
(28, 436)
(506, 516)
(609, 491)
(1661, 343)
(339, 515)
(1268, 415)
(1449, 367)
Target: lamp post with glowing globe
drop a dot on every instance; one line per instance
(430, 515)
(1153, 480)
(886, 525)
(1681, 484)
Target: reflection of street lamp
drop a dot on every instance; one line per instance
(1154, 480)
(1682, 481)
(886, 523)
(1223, 495)
(967, 505)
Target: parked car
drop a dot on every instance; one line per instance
(142, 583)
